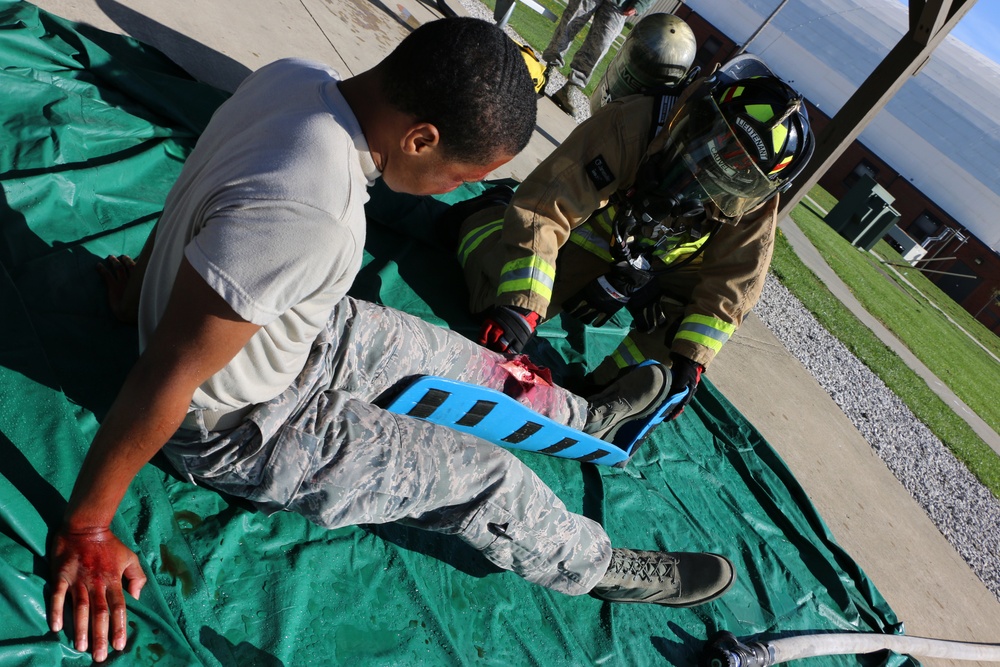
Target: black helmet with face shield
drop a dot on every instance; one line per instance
(734, 140)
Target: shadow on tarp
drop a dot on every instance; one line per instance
(229, 586)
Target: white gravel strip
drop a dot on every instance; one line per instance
(965, 511)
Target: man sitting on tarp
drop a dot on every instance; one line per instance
(257, 375)
(664, 204)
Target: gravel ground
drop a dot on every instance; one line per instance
(965, 512)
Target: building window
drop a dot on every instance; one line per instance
(925, 227)
(707, 51)
(864, 168)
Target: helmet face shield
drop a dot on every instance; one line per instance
(716, 159)
(730, 145)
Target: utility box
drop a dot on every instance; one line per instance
(864, 215)
(905, 245)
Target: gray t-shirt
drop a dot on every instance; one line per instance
(269, 210)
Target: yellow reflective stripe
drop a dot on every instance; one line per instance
(680, 251)
(474, 238)
(705, 341)
(704, 330)
(778, 137)
(781, 165)
(604, 219)
(762, 112)
(528, 274)
(709, 321)
(599, 249)
(587, 238)
(627, 354)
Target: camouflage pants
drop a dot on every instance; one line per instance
(322, 449)
(608, 23)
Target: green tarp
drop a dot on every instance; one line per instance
(94, 130)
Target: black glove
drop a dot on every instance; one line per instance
(647, 310)
(604, 296)
(685, 374)
(508, 328)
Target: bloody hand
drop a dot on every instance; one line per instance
(90, 565)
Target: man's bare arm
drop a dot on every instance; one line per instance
(123, 277)
(198, 335)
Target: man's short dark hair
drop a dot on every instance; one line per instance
(469, 79)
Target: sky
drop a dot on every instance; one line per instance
(980, 28)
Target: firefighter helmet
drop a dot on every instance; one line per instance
(735, 139)
(767, 116)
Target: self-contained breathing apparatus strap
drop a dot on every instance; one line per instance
(625, 221)
(621, 248)
(664, 104)
(666, 99)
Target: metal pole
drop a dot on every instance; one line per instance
(760, 28)
(943, 273)
(930, 22)
(993, 297)
(503, 10)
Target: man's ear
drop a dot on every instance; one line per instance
(419, 138)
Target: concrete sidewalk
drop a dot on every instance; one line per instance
(871, 515)
(812, 259)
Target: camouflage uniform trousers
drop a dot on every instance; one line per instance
(323, 450)
(607, 25)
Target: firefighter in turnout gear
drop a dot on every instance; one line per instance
(663, 204)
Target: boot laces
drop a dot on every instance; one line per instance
(608, 409)
(653, 568)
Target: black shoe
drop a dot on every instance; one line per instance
(447, 224)
(634, 396)
(671, 579)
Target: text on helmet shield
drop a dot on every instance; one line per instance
(758, 142)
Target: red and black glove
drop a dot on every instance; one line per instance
(508, 328)
(684, 374)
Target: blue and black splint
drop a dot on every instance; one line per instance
(498, 418)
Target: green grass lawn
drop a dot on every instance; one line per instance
(537, 31)
(949, 353)
(957, 361)
(922, 288)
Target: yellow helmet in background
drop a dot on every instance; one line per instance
(535, 68)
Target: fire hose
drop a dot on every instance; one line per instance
(725, 650)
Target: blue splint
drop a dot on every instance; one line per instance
(498, 418)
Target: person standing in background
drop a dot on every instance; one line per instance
(608, 20)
